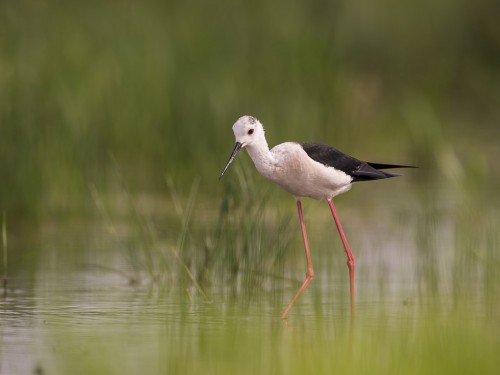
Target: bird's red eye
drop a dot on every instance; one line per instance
(250, 132)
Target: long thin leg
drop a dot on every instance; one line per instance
(350, 257)
(310, 271)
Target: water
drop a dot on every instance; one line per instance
(78, 314)
(105, 328)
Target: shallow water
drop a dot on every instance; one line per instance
(82, 312)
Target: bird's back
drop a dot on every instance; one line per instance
(359, 170)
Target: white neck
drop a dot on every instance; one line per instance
(262, 157)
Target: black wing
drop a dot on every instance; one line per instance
(357, 169)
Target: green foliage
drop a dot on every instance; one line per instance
(154, 87)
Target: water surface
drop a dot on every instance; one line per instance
(86, 310)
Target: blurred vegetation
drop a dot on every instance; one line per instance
(152, 88)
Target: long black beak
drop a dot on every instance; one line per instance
(237, 148)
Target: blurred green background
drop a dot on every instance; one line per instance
(115, 123)
(152, 88)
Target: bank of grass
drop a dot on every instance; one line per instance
(156, 86)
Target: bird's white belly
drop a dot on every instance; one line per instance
(301, 176)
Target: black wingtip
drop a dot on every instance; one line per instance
(371, 171)
(390, 175)
(388, 166)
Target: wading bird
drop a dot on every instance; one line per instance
(308, 169)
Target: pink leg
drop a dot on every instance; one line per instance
(310, 271)
(350, 257)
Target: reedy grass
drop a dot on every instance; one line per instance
(185, 217)
(235, 249)
(162, 95)
(5, 253)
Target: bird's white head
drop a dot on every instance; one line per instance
(247, 131)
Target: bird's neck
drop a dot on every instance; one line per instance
(262, 157)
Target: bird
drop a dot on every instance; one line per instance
(307, 170)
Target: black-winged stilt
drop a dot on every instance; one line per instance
(309, 170)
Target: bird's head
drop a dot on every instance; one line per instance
(247, 130)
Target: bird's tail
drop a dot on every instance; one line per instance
(371, 171)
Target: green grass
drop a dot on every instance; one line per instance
(155, 88)
(5, 253)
